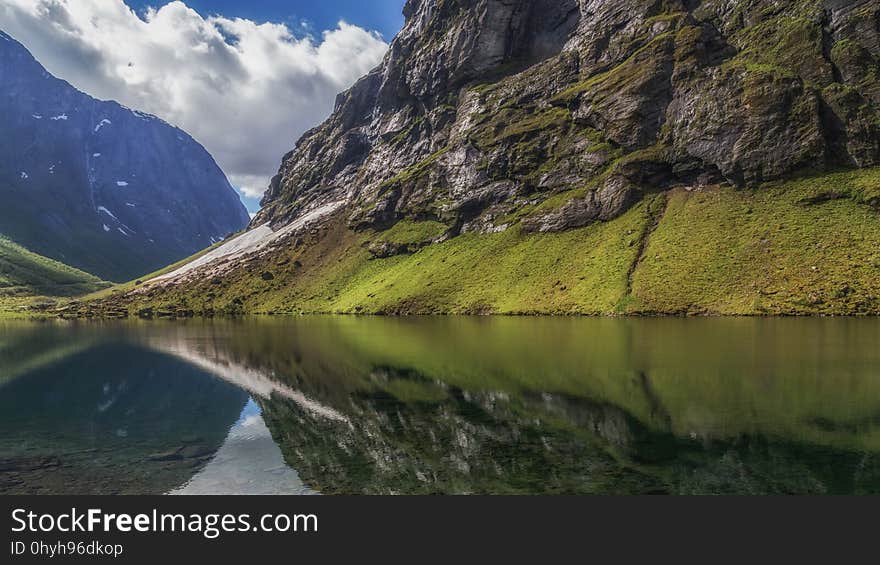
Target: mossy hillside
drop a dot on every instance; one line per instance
(523, 138)
(809, 246)
(581, 271)
(25, 272)
(632, 70)
(413, 173)
(408, 232)
(31, 282)
(643, 98)
(790, 46)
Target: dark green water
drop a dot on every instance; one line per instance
(442, 405)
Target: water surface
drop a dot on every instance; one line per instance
(441, 405)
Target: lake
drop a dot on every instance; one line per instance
(451, 405)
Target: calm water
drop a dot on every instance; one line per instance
(447, 405)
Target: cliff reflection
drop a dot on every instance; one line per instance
(559, 406)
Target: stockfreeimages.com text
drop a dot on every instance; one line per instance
(210, 526)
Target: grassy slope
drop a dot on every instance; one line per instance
(714, 251)
(767, 251)
(26, 277)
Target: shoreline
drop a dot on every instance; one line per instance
(50, 317)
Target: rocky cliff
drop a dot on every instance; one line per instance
(98, 186)
(485, 108)
(580, 156)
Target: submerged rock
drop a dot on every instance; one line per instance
(23, 464)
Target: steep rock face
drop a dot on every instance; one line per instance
(557, 114)
(95, 185)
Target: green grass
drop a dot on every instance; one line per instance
(576, 271)
(30, 284)
(406, 231)
(580, 271)
(28, 279)
(766, 251)
(22, 270)
(807, 246)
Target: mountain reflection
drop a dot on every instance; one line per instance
(114, 419)
(564, 406)
(248, 462)
(472, 405)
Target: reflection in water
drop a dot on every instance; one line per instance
(248, 462)
(449, 405)
(116, 418)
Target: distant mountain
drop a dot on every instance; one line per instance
(98, 186)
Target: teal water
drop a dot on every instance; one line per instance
(441, 405)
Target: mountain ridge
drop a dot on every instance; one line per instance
(99, 186)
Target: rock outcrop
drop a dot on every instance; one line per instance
(98, 186)
(566, 112)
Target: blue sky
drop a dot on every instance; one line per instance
(384, 16)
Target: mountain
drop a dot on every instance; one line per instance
(485, 105)
(578, 156)
(98, 186)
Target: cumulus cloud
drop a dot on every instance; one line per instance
(245, 90)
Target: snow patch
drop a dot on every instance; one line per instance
(253, 240)
(105, 227)
(24, 175)
(123, 232)
(59, 117)
(101, 124)
(96, 155)
(108, 212)
(130, 205)
(255, 382)
(51, 169)
(36, 116)
(121, 183)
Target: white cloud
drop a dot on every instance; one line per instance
(254, 185)
(245, 90)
